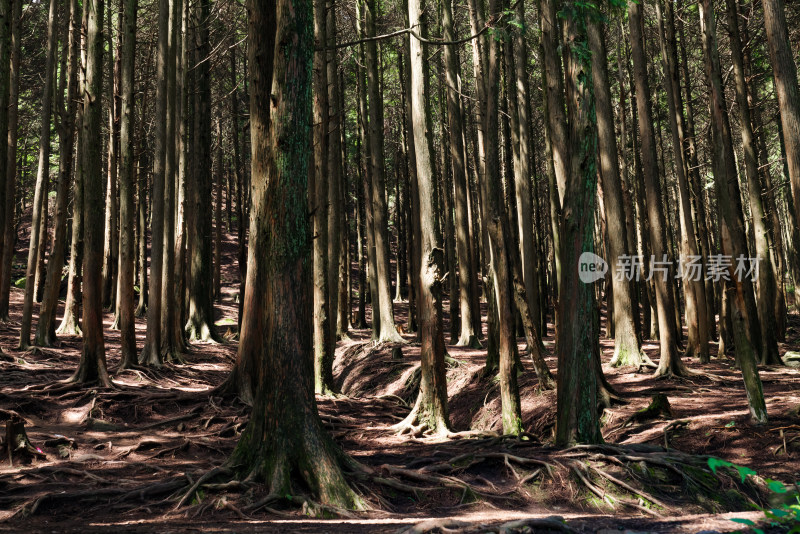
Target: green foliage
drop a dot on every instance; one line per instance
(786, 511)
(20, 283)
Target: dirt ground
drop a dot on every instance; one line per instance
(120, 459)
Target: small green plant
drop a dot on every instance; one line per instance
(784, 512)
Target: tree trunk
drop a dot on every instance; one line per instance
(577, 378)
(786, 87)
(318, 188)
(285, 436)
(111, 235)
(127, 208)
(92, 366)
(10, 227)
(218, 214)
(45, 329)
(42, 178)
(8, 25)
(626, 345)
(151, 354)
(387, 333)
(766, 288)
(733, 238)
(694, 288)
(497, 226)
(670, 362)
(430, 409)
(200, 326)
(466, 268)
(334, 166)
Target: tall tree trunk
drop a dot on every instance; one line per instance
(285, 436)
(699, 205)
(172, 338)
(694, 288)
(45, 328)
(784, 72)
(218, 161)
(42, 178)
(111, 235)
(92, 366)
(626, 345)
(200, 326)
(733, 238)
(151, 354)
(141, 226)
(387, 332)
(70, 324)
(127, 208)
(430, 409)
(766, 288)
(10, 165)
(318, 188)
(334, 165)
(670, 362)
(8, 25)
(522, 181)
(497, 226)
(577, 378)
(466, 267)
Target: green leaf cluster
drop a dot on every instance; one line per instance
(785, 515)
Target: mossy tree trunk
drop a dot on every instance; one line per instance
(284, 438)
(576, 419)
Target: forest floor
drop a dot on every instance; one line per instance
(120, 459)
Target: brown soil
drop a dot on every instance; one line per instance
(130, 453)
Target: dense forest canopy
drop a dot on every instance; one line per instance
(365, 257)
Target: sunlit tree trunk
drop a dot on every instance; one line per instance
(318, 206)
(151, 355)
(626, 345)
(430, 409)
(784, 72)
(45, 328)
(387, 331)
